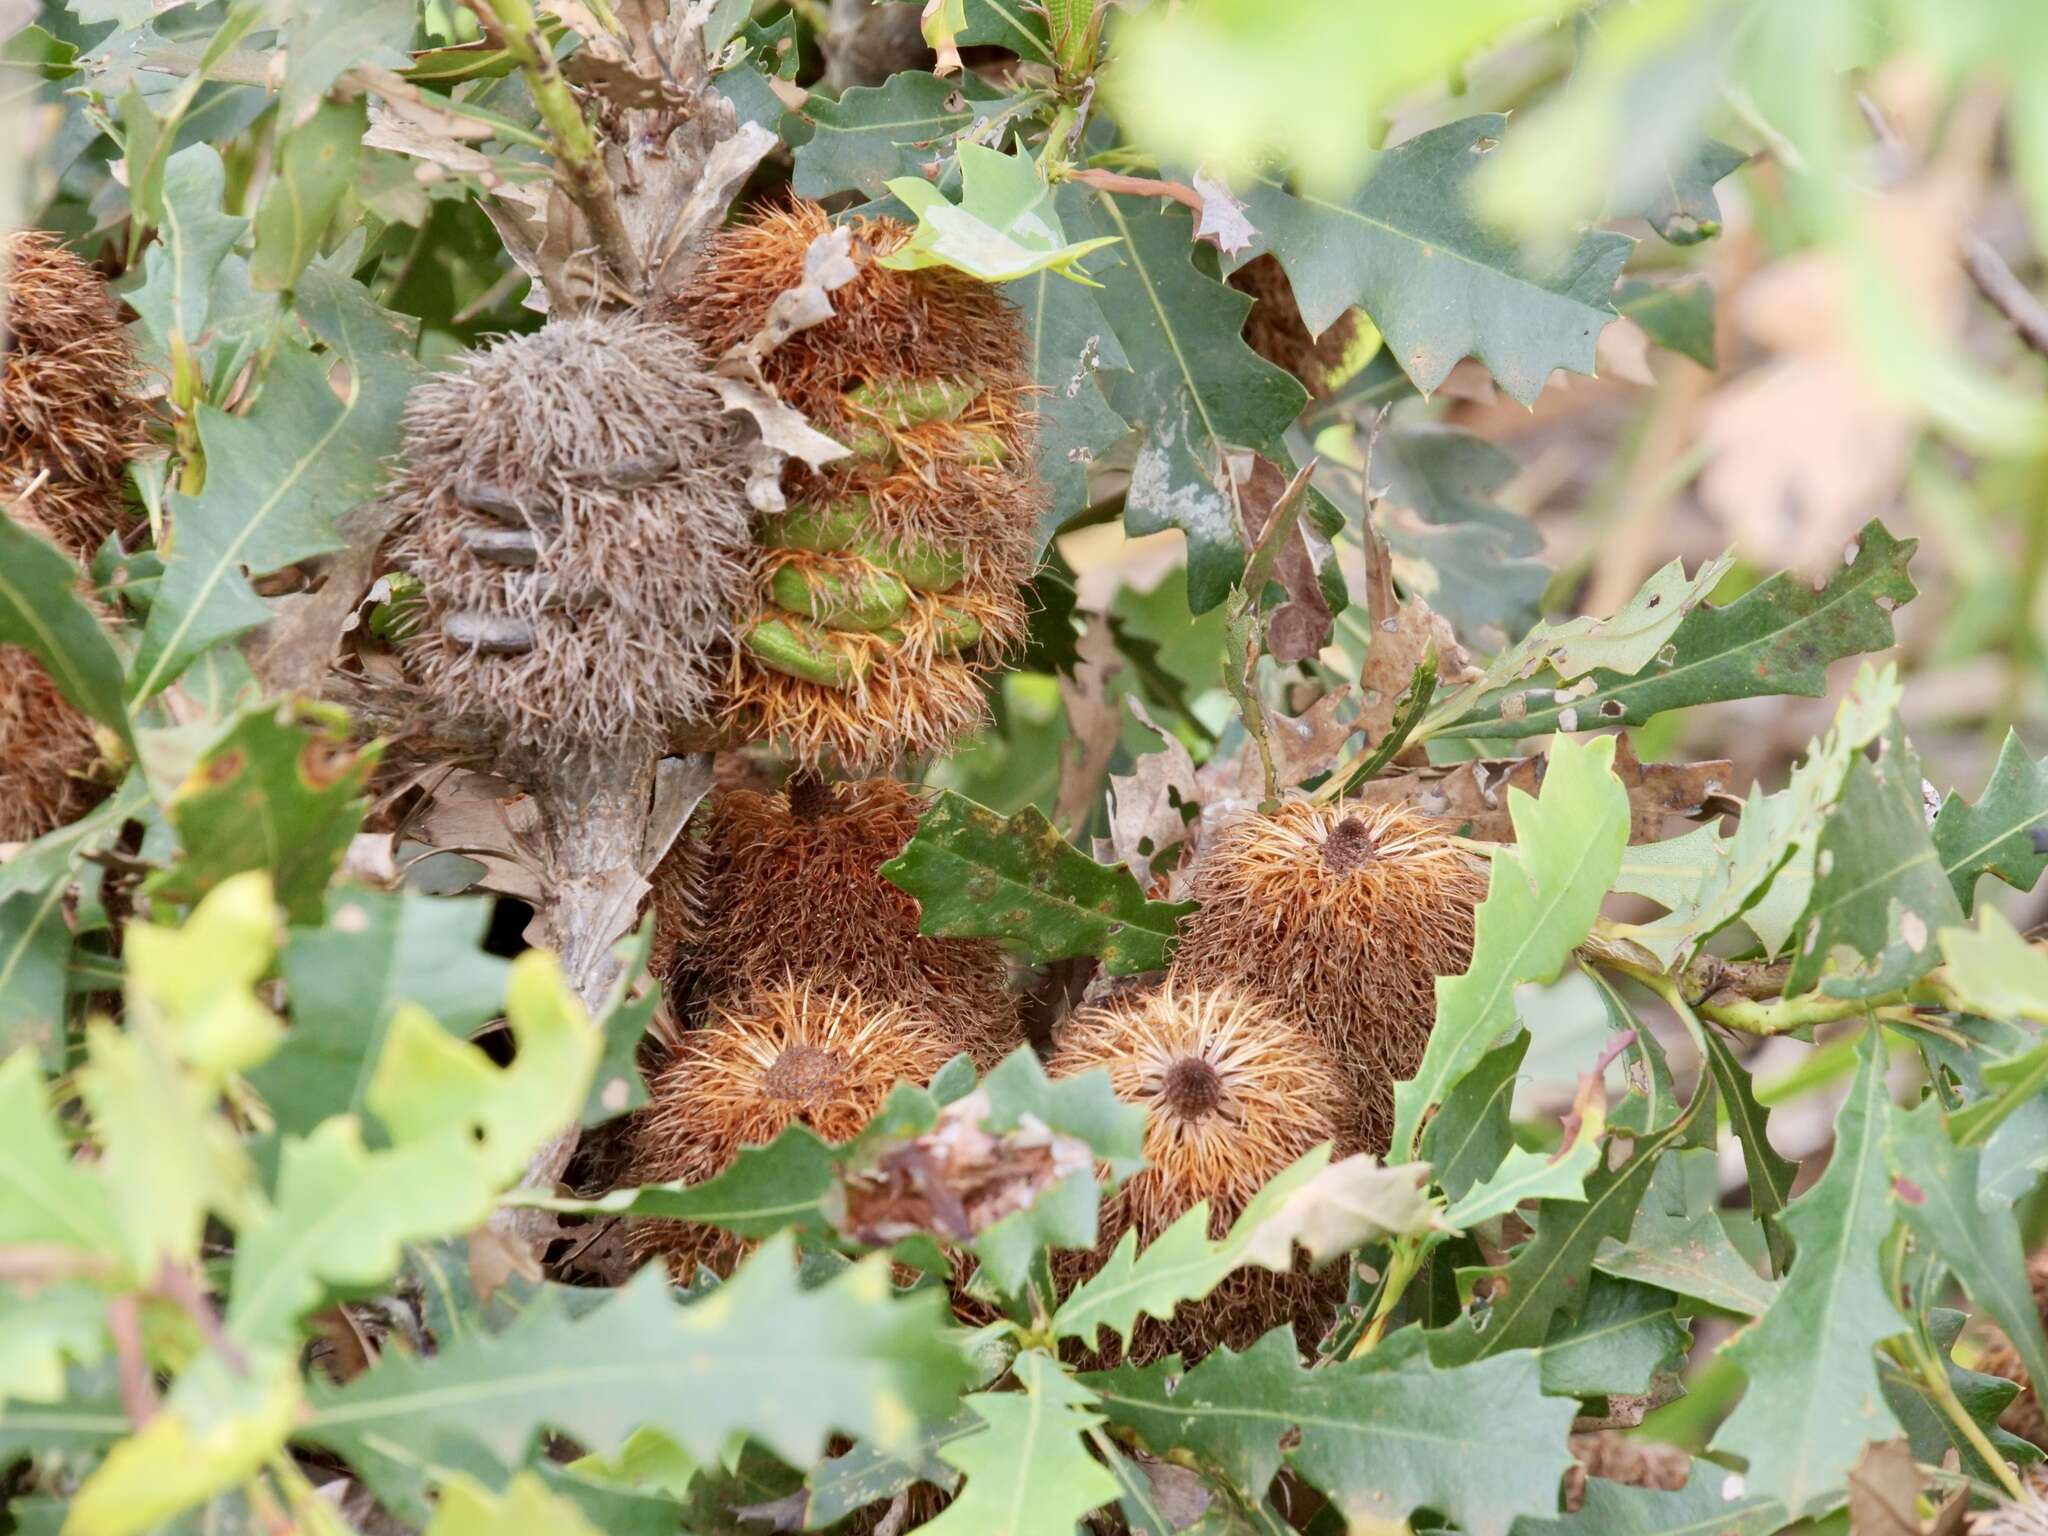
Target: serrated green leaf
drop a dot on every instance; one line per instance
(765, 1190)
(1545, 892)
(1028, 1471)
(976, 874)
(1003, 228)
(1525, 1175)
(1993, 971)
(1930, 1429)
(41, 612)
(316, 165)
(759, 1356)
(2002, 833)
(1879, 891)
(1813, 1399)
(873, 133)
(1677, 1241)
(35, 951)
(194, 237)
(1684, 209)
(1466, 1139)
(1678, 317)
(42, 1331)
(1325, 1207)
(1778, 637)
(1194, 389)
(1440, 285)
(1936, 1190)
(346, 977)
(192, 988)
(1008, 24)
(841, 1485)
(1705, 1504)
(1378, 1443)
(1623, 1338)
(278, 477)
(279, 791)
(1770, 1173)
(2009, 1088)
(325, 40)
(46, 1200)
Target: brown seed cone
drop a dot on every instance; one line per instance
(2023, 1416)
(606, 439)
(787, 887)
(765, 1059)
(1233, 1093)
(1635, 1463)
(67, 403)
(1274, 328)
(1343, 916)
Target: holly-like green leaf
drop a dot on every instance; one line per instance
(1325, 1208)
(1466, 1139)
(1930, 1427)
(1678, 317)
(874, 133)
(1678, 1242)
(316, 164)
(976, 874)
(1995, 972)
(193, 238)
(1770, 1173)
(2005, 833)
(1525, 1175)
(1813, 1400)
(1008, 24)
(1003, 228)
(1546, 891)
(192, 989)
(280, 790)
(1710, 1501)
(1028, 1471)
(1378, 1443)
(323, 41)
(1194, 389)
(841, 1485)
(35, 950)
(278, 477)
(1936, 1189)
(41, 611)
(1068, 343)
(43, 1330)
(1623, 1338)
(1439, 284)
(1684, 209)
(848, 1356)
(1778, 637)
(345, 978)
(1879, 891)
(46, 1199)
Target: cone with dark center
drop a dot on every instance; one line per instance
(1233, 1093)
(789, 880)
(763, 1060)
(890, 587)
(573, 504)
(1343, 917)
(1275, 330)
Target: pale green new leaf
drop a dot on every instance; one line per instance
(1813, 1399)
(1028, 1472)
(195, 985)
(41, 1332)
(1545, 893)
(1326, 1208)
(1525, 1175)
(46, 1199)
(467, 1508)
(1004, 227)
(1994, 972)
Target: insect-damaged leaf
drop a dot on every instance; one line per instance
(2005, 833)
(979, 875)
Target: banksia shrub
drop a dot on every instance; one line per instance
(765, 1059)
(890, 584)
(790, 879)
(1233, 1093)
(573, 506)
(1342, 916)
(67, 380)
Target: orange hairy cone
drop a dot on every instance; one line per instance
(790, 1053)
(795, 885)
(1233, 1093)
(949, 478)
(2023, 1416)
(1274, 328)
(1343, 916)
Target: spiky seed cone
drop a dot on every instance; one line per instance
(1233, 1093)
(765, 1059)
(47, 748)
(2023, 1416)
(1343, 916)
(1275, 330)
(923, 373)
(67, 405)
(581, 489)
(796, 885)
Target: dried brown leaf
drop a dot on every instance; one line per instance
(1146, 804)
(1093, 726)
(1299, 628)
(1473, 796)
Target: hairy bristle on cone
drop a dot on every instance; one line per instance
(798, 887)
(582, 488)
(2024, 1415)
(1233, 1093)
(47, 748)
(68, 410)
(765, 1059)
(1275, 330)
(1343, 917)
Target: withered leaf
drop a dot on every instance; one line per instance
(1146, 805)
(1473, 796)
(1300, 627)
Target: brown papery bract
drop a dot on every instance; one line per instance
(68, 376)
(797, 887)
(765, 1059)
(1343, 916)
(1233, 1093)
(608, 442)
